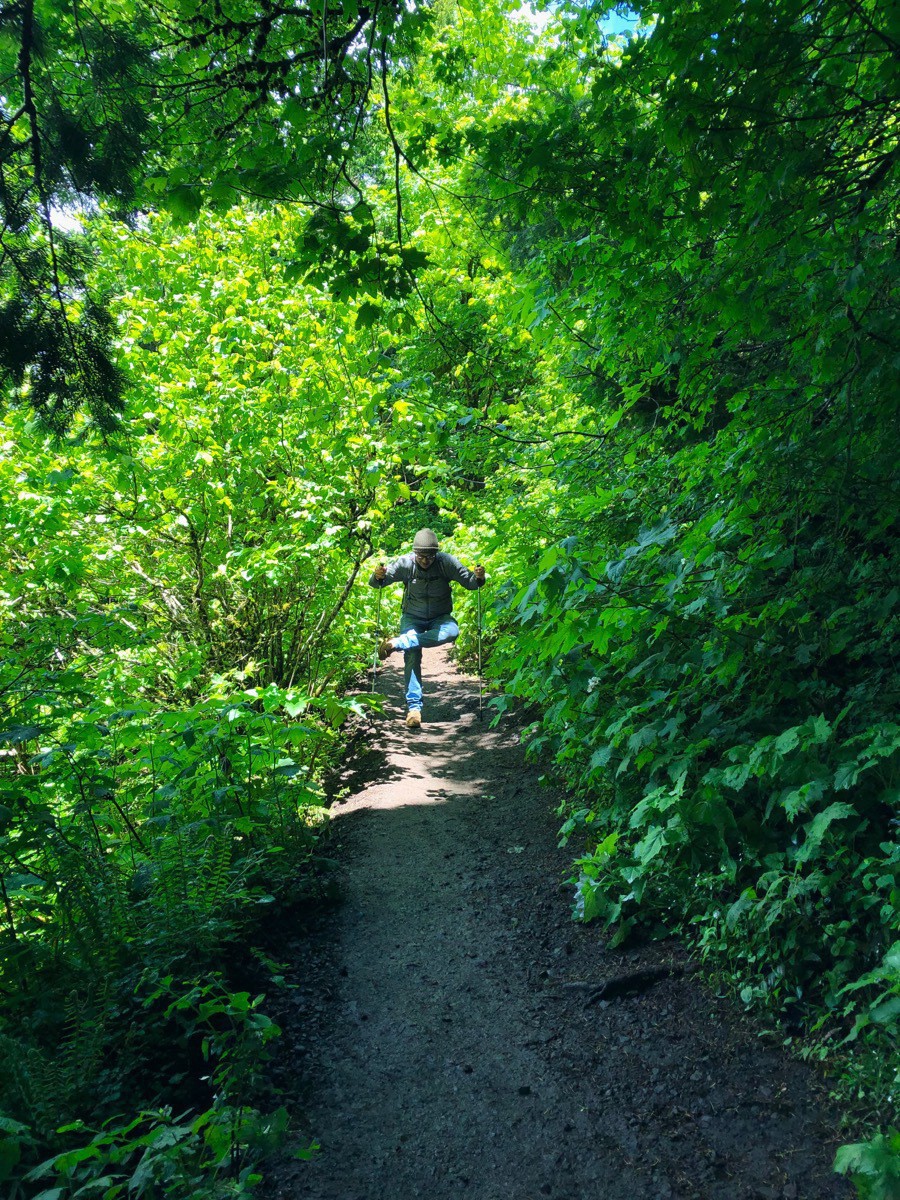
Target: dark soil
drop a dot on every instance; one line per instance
(445, 1035)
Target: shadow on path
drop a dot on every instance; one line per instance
(442, 1050)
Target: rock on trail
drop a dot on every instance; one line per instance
(437, 1042)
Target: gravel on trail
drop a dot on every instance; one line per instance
(444, 1037)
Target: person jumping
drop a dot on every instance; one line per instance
(426, 615)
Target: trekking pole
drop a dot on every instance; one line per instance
(480, 680)
(377, 627)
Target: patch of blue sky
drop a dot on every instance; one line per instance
(618, 21)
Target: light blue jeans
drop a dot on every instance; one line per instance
(414, 634)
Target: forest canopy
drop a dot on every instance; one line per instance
(129, 108)
(616, 314)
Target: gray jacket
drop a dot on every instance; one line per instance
(426, 593)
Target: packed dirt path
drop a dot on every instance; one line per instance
(437, 1041)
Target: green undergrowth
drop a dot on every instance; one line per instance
(141, 850)
(732, 752)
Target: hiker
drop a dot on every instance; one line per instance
(425, 618)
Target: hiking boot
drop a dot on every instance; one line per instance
(386, 648)
(413, 719)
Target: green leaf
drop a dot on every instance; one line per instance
(14, 735)
(788, 740)
(846, 775)
(743, 904)
(413, 259)
(818, 827)
(874, 1165)
(184, 202)
(886, 1013)
(367, 314)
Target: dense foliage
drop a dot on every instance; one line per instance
(618, 317)
(175, 104)
(176, 644)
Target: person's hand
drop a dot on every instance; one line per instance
(479, 572)
(380, 571)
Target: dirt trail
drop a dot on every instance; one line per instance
(441, 1051)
